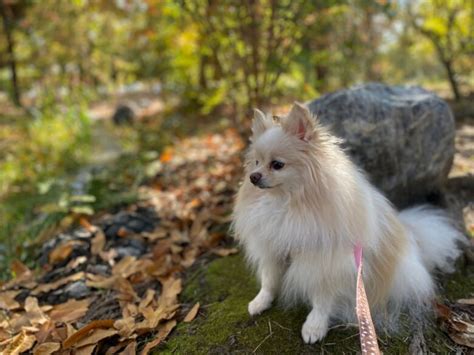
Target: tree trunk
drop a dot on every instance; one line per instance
(448, 65)
(7, 26)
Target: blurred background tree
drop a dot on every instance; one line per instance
(236, 54)
(186, 66)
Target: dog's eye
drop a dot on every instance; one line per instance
(277, 165)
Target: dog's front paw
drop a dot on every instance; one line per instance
(313, 331)
(260, 303)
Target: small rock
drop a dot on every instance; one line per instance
(123, 115)
(98, 269)
(132, 221)
(77, 289)
(127, 251)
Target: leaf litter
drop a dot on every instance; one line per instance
(112, 285)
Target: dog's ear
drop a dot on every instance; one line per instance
(260, 123)
(299, 122)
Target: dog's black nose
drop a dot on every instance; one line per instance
(255, 178)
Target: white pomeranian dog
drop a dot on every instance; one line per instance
(302, 208)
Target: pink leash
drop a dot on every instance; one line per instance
(368, 337)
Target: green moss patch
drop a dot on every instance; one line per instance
(225, 286)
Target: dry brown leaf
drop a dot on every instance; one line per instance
(18, 268)
(95, 336)
(457, 322)
(154, 317)
(4, 335)
(192, 313)
(86, 350)
(70, 311)
(125, 326)
(131, 349)
(74, 263)
(86, 330)
(125, 290)
(169, 294)
(469, 301)
(149, 297)
(46, 348)
(98, 281)
(45, 331)
(61, 282)
(115, 349)
(123, 232)
(189, 256)
(22, 276)
(86, 224)
(69, 330)
(159, 233)
(33, 312)
(19, 343)
(109, 256)
(122, 268)
(162, 334)
(161, 249)
(17, 321)
(225, 251)
(7, 300)
(62, 251)
(128, 309)
(98, 242)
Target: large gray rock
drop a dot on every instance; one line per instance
(403, 137)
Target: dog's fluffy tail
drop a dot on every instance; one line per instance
(434, 234)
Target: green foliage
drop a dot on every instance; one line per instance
(448, 26)
(50, 143)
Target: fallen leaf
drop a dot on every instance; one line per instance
(98, 242)
(158, 233)
(70, 311)
(74, 263)
(19, 343)
(162, 334)
(123, 267)
(149, 297)
(99, 281)
(125, 290)
(85, 350)
(170, 291)
(62, 251)
(33, 312)
(86, 224)
(115, 349)
(61, 282)
(18, 268)
(131, 349)
(95, 336)
(189, 256)
(125, 326)
(84, 331)
(46, 348)
(469, 301)
(225, 251)
(458, 322)
(7, 300)
(192, 313)
(45, 331)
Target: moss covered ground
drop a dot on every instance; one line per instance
(225, 286)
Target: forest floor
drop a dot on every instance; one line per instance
(162, 274)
